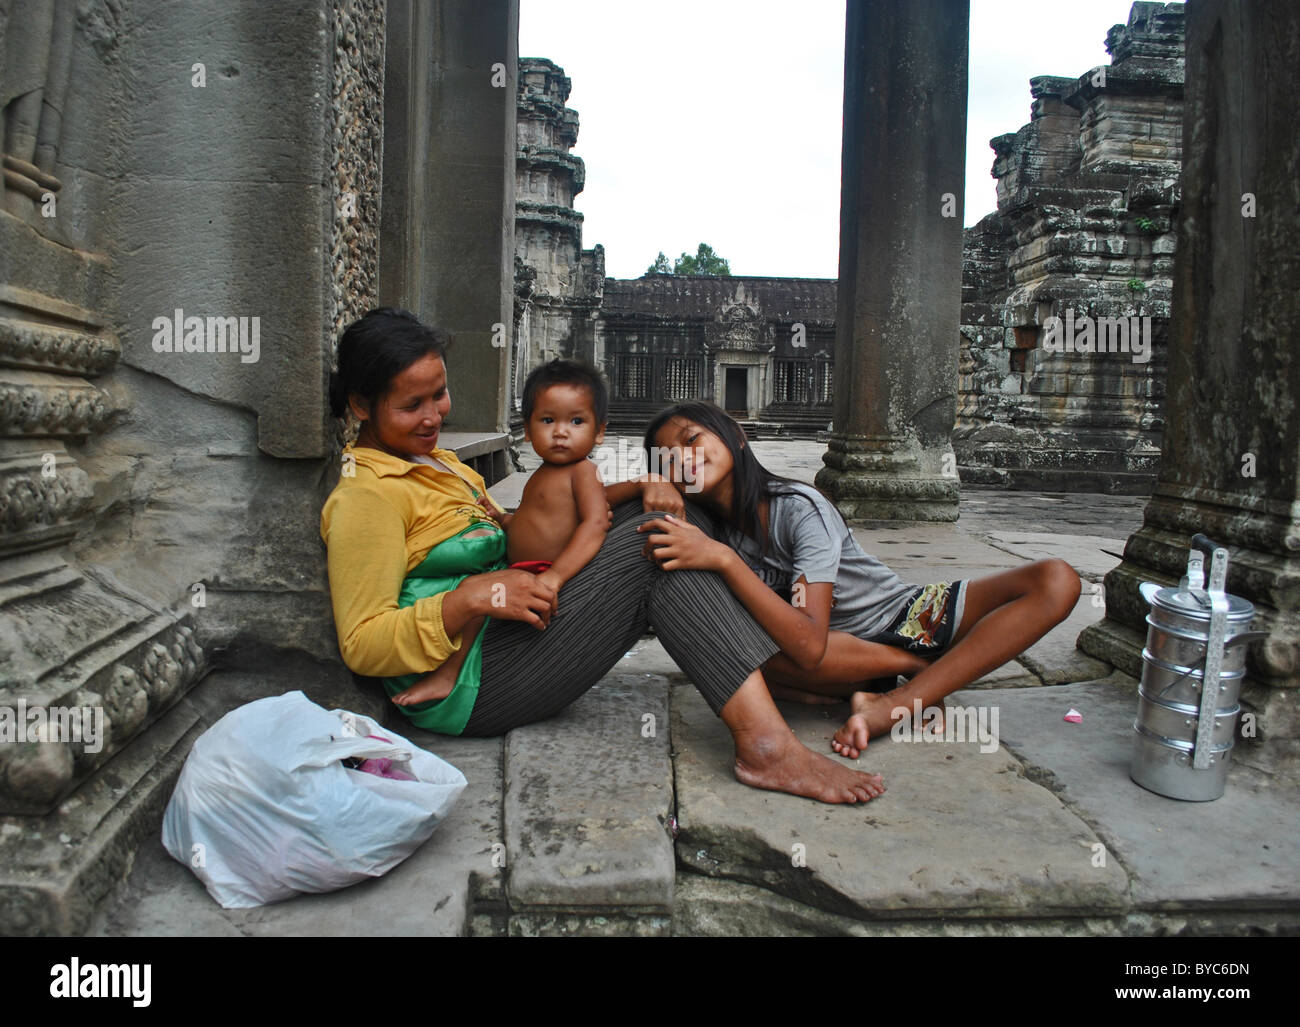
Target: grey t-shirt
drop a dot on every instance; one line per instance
(809, 538)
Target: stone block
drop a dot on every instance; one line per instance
(57, 868)
(588, 796)
(958, 833)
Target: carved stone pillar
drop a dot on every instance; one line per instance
(896, 346)
(238, 182)
(1231, 458)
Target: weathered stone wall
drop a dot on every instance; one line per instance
(162, 473)
(447, 220)
(204, 218)
(1088, 195)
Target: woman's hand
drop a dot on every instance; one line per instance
(680, 545)
(511, 595)
(658, 493)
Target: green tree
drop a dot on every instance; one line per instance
(703, 262)
(660, 266)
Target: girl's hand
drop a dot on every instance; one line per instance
(658, 493)
(512, 595)
(680, 545)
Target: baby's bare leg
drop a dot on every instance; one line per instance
(439, 683)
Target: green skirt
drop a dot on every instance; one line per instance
(444, 567)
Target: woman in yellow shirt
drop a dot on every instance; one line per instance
(414, 558)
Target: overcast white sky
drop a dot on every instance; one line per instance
(720, 120)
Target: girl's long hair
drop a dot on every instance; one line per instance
(752, 482)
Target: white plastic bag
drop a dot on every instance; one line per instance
(264, 808)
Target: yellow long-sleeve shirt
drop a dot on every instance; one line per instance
(378, 524)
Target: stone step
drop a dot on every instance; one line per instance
(1046, 836)
(1081, 480)
(959, 834)
(55, 869)
(588, 797)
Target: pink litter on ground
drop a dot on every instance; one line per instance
(1074, 716)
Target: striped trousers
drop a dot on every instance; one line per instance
(529, 675)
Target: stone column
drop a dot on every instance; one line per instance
(896, 347)
(447, 244)
(1231, 456)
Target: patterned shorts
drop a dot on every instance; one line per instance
(928, 619)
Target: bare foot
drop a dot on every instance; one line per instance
(786, 765)
(872, 715)
(432, 686)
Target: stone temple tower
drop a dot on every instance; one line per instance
(1082, 241)
(558, 285)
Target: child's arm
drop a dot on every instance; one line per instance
(801, 627)
(593, 523)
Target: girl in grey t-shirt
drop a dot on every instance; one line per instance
(841, 617)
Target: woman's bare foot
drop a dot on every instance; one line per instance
(786, 765)
(437, 685)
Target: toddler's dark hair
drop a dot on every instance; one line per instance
(375, 349)
(563, 371)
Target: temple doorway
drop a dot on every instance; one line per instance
(737, 391)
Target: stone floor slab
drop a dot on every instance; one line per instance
(958, 833)
(1054, 657)
(932, 551)
(509, 489)
(1011, 674)
(588, 796)
(1240, 850)
(647, 657)
(1087, 554)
